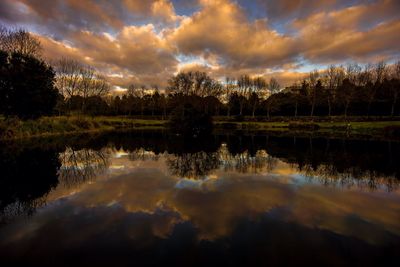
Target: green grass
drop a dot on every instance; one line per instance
(364, 129)
(47, 126)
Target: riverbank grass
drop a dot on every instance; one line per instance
(13, 128)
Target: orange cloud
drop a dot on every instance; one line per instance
(135, 54)
(147, 41)
(221, 29)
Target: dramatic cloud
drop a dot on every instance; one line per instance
(358, 32)
(135, 54)
(221, 29)
(148, 41)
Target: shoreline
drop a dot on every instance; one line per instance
(64, 126)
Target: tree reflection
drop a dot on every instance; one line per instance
(245, 162)
(31, 170)
(27, 177)
(193, 165)
(143, 155)
(365, 164)
(352, 177)
(81, 166)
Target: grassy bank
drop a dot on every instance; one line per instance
(380, 129)
(48, 126)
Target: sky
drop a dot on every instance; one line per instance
(148, 41)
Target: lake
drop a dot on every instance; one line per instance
(152, 198)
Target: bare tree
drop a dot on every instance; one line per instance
(229, 90)
(395, 85)
(68, 76)
(100, 86)
(313, 90)
(19, 41)
(273, 88)
(353, 71)
(330, 86)
(182, 83)
(194, 83)
(244, 84)
(139, 93)
(380, 72)
(257, 89)
(154, 98)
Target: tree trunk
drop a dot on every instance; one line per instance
(393, 107)
(312, 109)
(345, 110)
(329, 107)
(164, 112)
(369, 108)
(83, 105)
(295, 110)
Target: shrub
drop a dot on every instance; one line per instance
(228, 125)
(10, 127)
(83, 123)
(239, 118)
(188, 120)
(392, 131)
(303, 126)
(26, 86)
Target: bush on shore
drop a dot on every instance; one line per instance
(303, 126)
(188, 120)
(13, 127)
(392, 131)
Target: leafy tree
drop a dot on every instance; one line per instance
(188, 120)
(26, 86)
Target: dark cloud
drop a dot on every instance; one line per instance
(147, 41)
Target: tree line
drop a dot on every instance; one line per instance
(31, 87)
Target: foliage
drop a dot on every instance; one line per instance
(188, 120)
(26, 86)
(303, 126)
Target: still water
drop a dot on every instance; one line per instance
(150, 198)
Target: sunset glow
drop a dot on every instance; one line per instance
(145, 42)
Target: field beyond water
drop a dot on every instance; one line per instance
(14, 128)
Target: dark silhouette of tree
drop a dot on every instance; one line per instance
(380, 73)
(258, 89)
(188, 120)
(244, 84)
(193, 165)
(26, 86)
(394, 86)
(20, 42)
(229, 91)
(68, 76)
(78, 81)
(273, 88)
(313, 91)
(347, 93)
(334, 77)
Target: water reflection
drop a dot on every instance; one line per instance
(81, 166)
(27, 177)
(150, 198)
